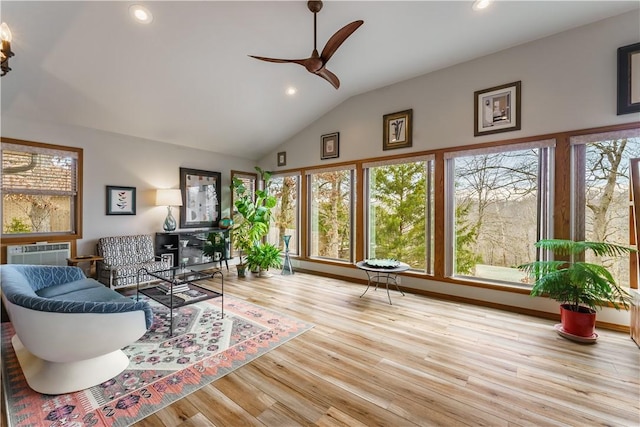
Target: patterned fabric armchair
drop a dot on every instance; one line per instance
(123, 257)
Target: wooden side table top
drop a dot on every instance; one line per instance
(83, 258)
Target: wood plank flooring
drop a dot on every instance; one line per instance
(419, 362)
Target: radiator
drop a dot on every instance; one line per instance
(39, 254)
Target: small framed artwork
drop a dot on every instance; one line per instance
(121, 200)
(629, 79)
(282, 158)
(168, 259)
(497, 109)
(396, 130)
(330, 146)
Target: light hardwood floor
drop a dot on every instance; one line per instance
(419, 362)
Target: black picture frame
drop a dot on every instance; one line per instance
(121, 200)
(330, 146)
(201, 198)
(629, 79)
(497, 109)
(282, 158)
(397, 130)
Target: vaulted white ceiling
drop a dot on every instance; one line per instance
(186, 78)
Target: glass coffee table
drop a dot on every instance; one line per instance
(176, 287)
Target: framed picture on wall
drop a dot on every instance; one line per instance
(330, 148)
(201, 198)
(396, 130)
(629, 79)
(121, 200)
(282, 158)
(497, 109)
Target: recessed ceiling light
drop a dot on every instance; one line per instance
(481, 4)
(291, 91)
(140, 14)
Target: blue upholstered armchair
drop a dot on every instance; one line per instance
(69, 329)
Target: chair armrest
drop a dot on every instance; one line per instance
(103, 265)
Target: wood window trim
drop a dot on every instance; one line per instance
(561, 209)
(53, 237)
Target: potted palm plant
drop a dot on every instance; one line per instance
(264, 256)
(581, 287)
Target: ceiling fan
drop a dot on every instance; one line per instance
(316, 64)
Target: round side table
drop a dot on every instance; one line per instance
(380, 275)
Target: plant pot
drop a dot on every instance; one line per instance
(264, 273)
(581, 323)
(241, 270)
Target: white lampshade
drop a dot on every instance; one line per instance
(168, 197)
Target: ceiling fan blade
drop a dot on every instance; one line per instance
(338, 38)
(281, 61)
(329, 76)
(312, 64)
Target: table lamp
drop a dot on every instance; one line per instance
(169, 197)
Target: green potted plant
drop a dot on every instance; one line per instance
(581, 287)
(253, 217)
(213, 244)
(264, 256)
(242, 242)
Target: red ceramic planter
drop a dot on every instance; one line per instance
(581, 323)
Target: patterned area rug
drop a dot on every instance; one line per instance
(162, 369)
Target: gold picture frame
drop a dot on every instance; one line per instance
(397, 130)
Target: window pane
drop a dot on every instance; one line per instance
(604, 211)
(285, 214)
(330, 214)
(39, 190)
(399, 213)
(249, 181)
(32, 213)
(496, 213)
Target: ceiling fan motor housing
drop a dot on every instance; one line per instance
(314, 6)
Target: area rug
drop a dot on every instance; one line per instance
(162, 369)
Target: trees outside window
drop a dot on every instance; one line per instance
(601, 193)
(39, 189)
(331, 214)
(499, 209)
(399, 220)
(286, 189)
(250, 182)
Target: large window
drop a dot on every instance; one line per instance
(285, 218)
(331, 198)
(39, 189)
(400, 211)
(601, 193)
(499, 206)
